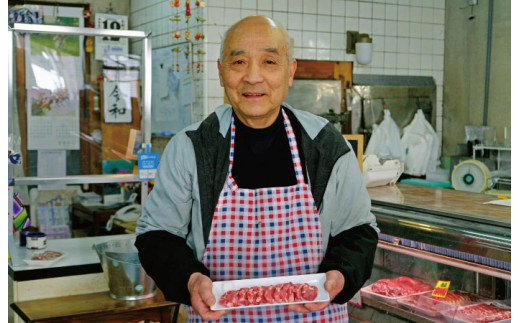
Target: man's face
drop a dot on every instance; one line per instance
(255, 71)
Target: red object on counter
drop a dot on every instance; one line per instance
(400, 286)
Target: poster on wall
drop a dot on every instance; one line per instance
(54, 76)
(52, 119)
(110, 45)
(55, 60)
(173, 88)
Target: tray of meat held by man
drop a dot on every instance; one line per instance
(429, 305)
(389, 290)
(284, 290)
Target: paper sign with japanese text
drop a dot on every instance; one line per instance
(117, 105)
(441, 288)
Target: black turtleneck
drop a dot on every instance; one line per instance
(263, 156)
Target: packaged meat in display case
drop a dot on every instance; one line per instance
(429, 305)
(485, 312)
(233, 294)
(390, 290)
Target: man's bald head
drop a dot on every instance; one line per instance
(253, 22)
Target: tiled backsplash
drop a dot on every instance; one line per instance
(407, 35)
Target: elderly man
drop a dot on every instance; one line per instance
(258, 189)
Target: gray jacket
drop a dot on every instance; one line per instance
(175, 225)
(175, 201)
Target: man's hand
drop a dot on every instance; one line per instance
(202, 297)
(333, 284)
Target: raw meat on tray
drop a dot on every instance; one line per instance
(270, 291)
(47, 255)
(482, 313)
(430, 305)
(279, 293)
(400, 286)
(457, 298)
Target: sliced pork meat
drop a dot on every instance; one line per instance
(279, 293)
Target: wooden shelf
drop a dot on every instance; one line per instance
(97, 307)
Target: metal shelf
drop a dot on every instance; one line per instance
(485, 147)
(458, 263)
(77, 179)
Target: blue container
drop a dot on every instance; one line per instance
(23, 238)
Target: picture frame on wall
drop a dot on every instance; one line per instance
(357, 143)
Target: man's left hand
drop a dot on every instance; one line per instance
(200, 288)
(333, 284)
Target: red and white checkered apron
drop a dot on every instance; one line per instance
(267, 232)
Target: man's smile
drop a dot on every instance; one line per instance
(252, 94)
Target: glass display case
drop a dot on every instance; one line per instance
(470, 250)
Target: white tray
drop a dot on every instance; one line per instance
(35, 262)
(367, 292)
(413, 303)
(318, 280)
(410, 303)
(456, 320)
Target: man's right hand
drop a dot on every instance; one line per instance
(200, 288)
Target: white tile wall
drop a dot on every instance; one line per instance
(408, 35)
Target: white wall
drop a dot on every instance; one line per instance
(154, 16)
(408, 35)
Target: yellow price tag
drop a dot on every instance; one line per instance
(441, 288)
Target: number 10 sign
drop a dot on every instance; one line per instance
(109, 45)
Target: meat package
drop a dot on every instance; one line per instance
(390, 290)
(486, 312)
(43, 258)
(426, 304)
(270, 291)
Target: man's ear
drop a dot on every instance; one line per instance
(292, 70)
(219, 65)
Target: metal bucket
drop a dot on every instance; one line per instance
(126, 278)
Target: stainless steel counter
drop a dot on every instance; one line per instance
(442, 201)
(448, 223)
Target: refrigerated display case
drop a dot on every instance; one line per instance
(433, 235)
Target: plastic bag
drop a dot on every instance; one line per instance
(376, 173)
(421, 145)
(385, 141)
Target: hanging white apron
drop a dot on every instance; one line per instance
(267, 232)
